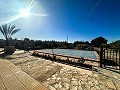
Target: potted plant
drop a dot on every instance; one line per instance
(7, 32)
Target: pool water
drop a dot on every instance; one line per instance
(71, 52)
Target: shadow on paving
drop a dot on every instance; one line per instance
(42, 77)
(13, 56)
(111, 65)
(5, 56)
(110, 62)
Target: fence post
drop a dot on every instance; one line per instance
(119, 59)
(101, 55)
(103, 58)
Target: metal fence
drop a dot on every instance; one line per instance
(110, 58)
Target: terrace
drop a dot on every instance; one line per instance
(55, 36)
(53, 75)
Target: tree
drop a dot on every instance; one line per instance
(81, 46)
(7, 32)
(115, 44)
(98, 41)
(80, 42)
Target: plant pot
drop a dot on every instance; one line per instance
(9, 50)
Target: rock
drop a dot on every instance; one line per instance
(97, 87)
(74, 79)
(66, 85)
(46, 69)
(63, 88)
(65, 80)
(90, 83)
(48, 79)
(74, 82)
(74, 88)
(79, 82)
(80, 88)
(51, 88)
(84, 79)
(93, 88)
(87, 86)
(54, 75)
(58, 78)
(58, 86)
(53, 78)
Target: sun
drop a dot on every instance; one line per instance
(24, 12)
(22, 9)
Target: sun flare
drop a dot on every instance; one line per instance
(24, 12)
(21, 9)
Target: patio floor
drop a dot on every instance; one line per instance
(53, 75)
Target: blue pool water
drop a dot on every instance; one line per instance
(70, 52)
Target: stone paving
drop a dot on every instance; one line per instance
(58, 76)
(73, 79)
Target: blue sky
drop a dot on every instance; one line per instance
(80, 19)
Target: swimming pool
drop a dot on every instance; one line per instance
(71, 52)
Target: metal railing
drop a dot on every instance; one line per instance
(110, 58)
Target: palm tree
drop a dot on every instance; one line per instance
(8, 31)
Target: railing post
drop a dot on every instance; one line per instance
(116, 58)
(101, 55)
(104, 62)
(119, 59)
